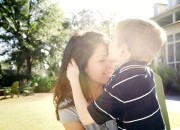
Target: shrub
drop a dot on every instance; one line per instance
(45, 84)
(170, 77)
(178, 81)
(6, 80)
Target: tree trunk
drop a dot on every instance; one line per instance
(18, 68)
(0, 69)
(29, 65)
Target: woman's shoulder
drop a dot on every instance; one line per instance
(63, 106)
(64, 103)
(109, 125)
(67, 114)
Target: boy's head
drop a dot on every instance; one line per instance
(136, 39)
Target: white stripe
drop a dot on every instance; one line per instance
(103, 111)
(114, 96)
(140, 96)
(121, 128)
(131, 99)
(127, 79)
(110, 79)
(131, 66)
(142, 118)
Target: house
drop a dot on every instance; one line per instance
(168, 17)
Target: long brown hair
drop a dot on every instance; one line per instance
(80, 47)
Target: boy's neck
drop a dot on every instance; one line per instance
(125, 57)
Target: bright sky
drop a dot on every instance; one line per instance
(118, 9)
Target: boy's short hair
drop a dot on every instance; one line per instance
(144, 38)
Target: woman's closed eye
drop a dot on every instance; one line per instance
(101, 60)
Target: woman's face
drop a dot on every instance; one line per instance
(98, 68)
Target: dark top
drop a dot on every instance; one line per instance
(129, 97)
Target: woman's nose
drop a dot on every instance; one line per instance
(110, 65)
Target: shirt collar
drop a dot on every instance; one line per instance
(134, 63)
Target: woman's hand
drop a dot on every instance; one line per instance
(72, 72)
(79, 99)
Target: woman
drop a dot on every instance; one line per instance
(89, 51)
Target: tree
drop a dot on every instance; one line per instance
(82, 20)
(106, 24)
(86, 20)
(33, 30)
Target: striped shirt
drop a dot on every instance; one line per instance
(130, 98)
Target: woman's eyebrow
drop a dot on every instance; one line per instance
(104, 55)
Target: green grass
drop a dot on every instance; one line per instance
(173, 107)
(174, 119)
(28, 113)
(37, 113)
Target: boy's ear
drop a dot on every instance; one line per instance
(125, 53)
(124, 49)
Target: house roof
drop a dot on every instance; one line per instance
(166, 12)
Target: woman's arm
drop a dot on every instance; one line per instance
(79, 99)
(73, 126)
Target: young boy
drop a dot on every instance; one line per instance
(130, 95)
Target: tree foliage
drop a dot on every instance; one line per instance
(33, 31)
(82, 20)
(87, 19)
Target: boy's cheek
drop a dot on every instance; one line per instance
(112, 55)
(121, 62)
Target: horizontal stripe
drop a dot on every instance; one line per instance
(140, 96)
(132, 67)
(142, 118)
(114, 97)
(110, 79)
(127, 79)
(131, 99)
(121, 128)
(128, 66)
(103, 110)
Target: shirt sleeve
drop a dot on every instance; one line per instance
(68, 115)
(109, 105)
(106, 107)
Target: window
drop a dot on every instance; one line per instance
(178, 51)
(177, 36)
(178, 66)
(170, 38)
(171, 65)
(177, 16)
(170, 53)
(165, 20)
(173, 51)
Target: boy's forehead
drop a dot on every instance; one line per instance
(115, 36)
(116, 39)
(114, 42)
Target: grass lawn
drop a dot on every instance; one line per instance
(174, 120)
(28, 113)
(173, 107)
(37, 113)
